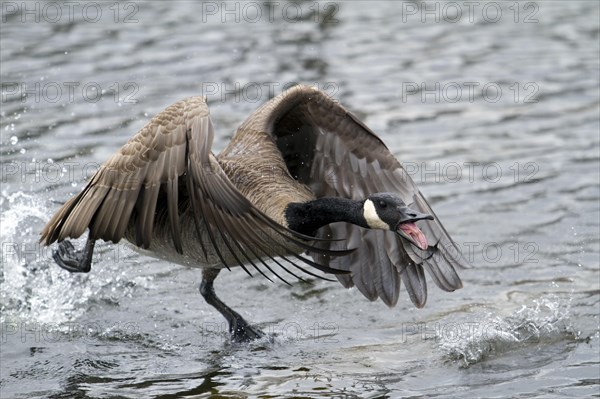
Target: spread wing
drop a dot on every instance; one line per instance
(335, 154)
(167, 159)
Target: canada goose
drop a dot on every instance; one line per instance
(301, 174)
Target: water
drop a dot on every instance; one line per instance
(506, 147)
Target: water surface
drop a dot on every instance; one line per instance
(506, 147)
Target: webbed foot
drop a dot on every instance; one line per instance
(72, 260)
(241, 331)
(239, 328)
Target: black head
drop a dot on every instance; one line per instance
(387, 211)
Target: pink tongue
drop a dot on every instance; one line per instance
(415, 233)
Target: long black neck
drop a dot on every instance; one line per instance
(307, 217)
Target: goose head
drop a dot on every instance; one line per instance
(381, 211)
(387, 211)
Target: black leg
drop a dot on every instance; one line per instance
(72, 260)
(239, 329)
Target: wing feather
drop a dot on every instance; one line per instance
(348, 160)
(174, 144)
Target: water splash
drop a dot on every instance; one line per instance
(33, 289)
(544, 321)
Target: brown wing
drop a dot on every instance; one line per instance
(130, 181)
(335, 154)
(174, 145)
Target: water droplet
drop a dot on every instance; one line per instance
(14, 139)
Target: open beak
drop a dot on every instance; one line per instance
(408, 229)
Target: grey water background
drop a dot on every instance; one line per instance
(494, 113)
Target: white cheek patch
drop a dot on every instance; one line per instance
(370, 215)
